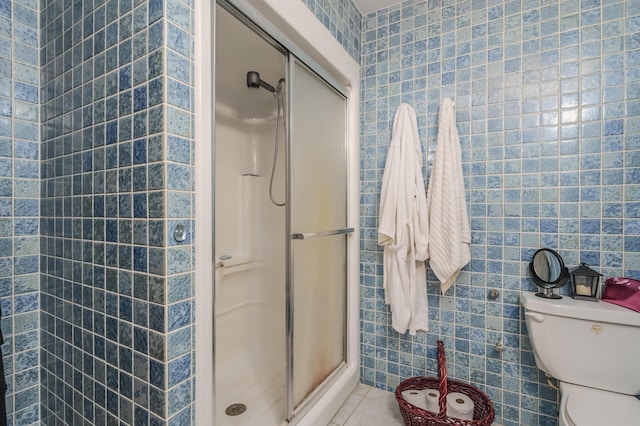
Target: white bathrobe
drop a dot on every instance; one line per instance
(449, 232)
(403, 226)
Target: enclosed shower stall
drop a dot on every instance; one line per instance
(283, 244)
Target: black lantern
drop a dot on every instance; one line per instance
(585, 283)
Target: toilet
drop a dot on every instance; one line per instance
(593, 350)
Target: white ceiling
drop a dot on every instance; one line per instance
(367, 6)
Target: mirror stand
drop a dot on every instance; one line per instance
(548, 293)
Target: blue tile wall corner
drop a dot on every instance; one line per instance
(547, 111)
(19, 208)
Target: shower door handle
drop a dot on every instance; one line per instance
(310, 235)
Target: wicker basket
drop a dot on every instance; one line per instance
(483, 413)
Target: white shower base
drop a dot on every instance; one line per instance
(250, 349)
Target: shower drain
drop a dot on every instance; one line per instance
(235, 409)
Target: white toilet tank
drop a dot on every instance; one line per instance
(595, 344)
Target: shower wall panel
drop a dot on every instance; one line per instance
(250, 287)
(19, 207)
(244, 155)
(117, 180)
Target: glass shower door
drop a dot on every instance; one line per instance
(318, 232)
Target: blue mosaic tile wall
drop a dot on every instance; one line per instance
(343, 19)
(116, 288)
(19, 206)
(548, 110)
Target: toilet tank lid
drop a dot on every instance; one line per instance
(580, 309)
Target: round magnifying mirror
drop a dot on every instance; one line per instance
(547, 271)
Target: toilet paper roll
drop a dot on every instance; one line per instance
(416, 397)
(459, 406)
(432, 400)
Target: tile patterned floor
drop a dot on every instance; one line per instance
(368, 406)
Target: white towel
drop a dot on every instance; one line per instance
(403, 226)
(449, 232)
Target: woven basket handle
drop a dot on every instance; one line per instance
(442, 376)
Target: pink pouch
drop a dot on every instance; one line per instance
(623, 292)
